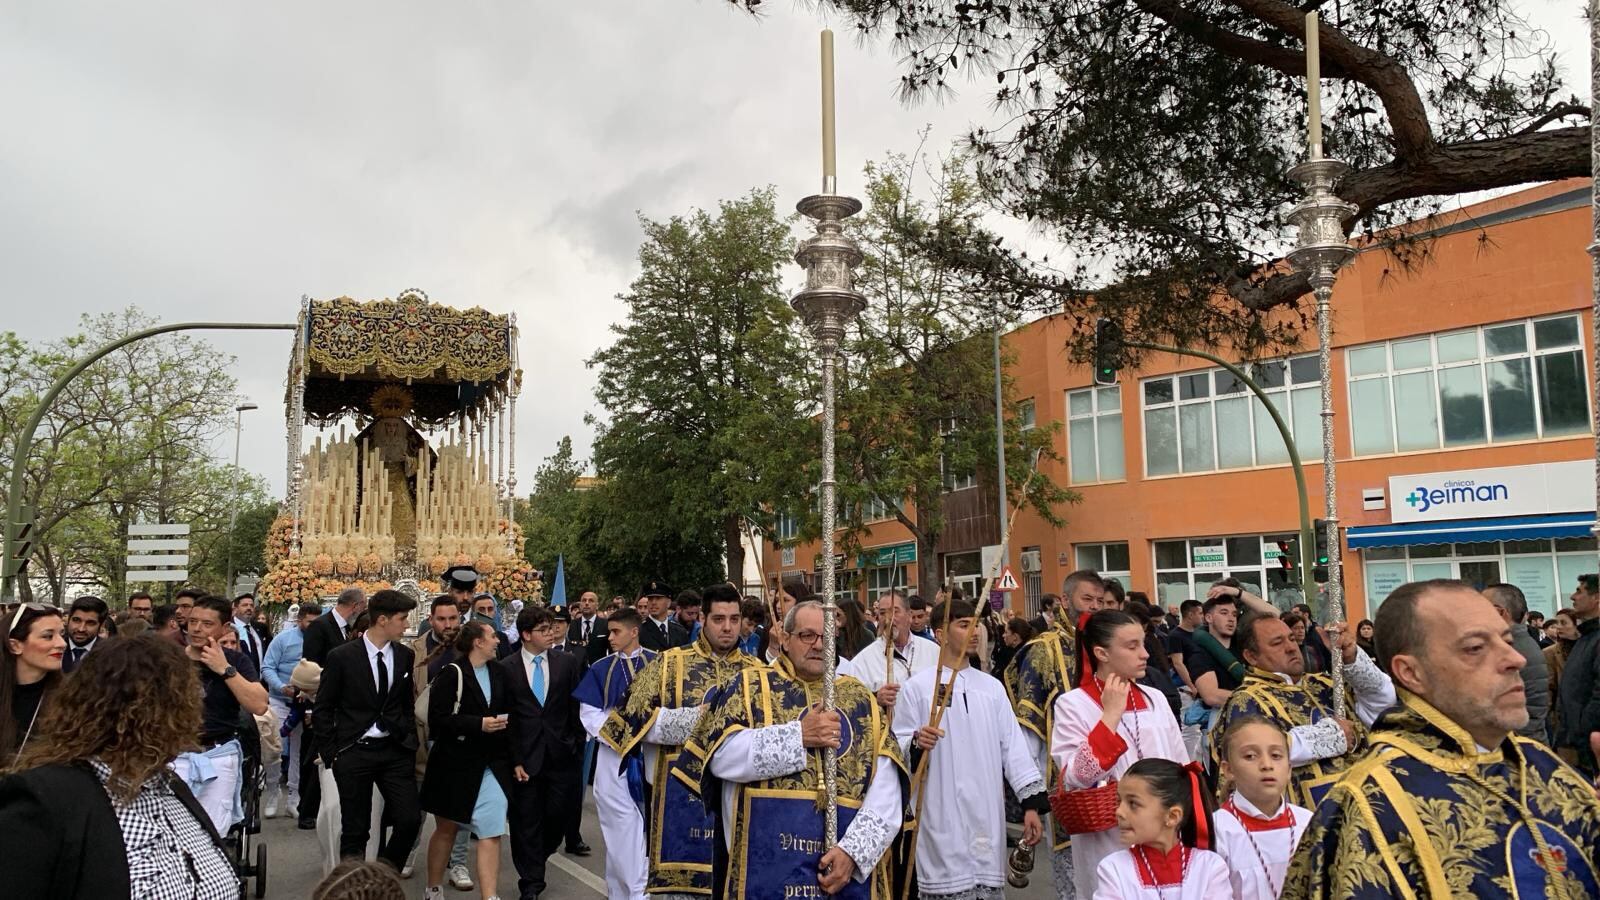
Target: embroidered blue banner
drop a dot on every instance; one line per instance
(783, 842)
(685, 830)
(1533, 869)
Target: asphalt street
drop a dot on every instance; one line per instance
(294, 864)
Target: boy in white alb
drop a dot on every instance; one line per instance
(961, 850)
(1257, 830)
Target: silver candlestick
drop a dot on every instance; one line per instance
(1321, 251)
(827, 305)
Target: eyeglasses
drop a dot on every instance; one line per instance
(16, 617)
(808, 637)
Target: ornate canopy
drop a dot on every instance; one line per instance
(404, 357)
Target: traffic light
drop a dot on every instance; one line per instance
(1320, 529)
(19, 543)
(1107, 351)
(1286, 551)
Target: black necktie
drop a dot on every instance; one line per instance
(383, 679)
(583, 632)
(666, 630)
(77, 655)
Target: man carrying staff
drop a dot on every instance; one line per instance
(618, 787)
(757, 757)
(662, 707)
(1450, 802)
(1277, 688)
(961, 847)
(1044, 669)
(879, 669)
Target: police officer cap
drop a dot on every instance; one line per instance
(655, 589)
(461, 578)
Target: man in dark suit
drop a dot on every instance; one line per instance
(660, 631)
(253, 636)
(321, 636)
(546, 744)
(85, 617)
(367, 733)
(588, 629)
(561, 630)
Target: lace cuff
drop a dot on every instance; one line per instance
(672, 726)
(1035, 786)
(1364, 676)
(865, 842)
(777, 750)
(1085, 769)
(1325, 739)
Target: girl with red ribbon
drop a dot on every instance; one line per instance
(1164, 820)
(1103, 727)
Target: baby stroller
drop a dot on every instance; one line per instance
(249, 855)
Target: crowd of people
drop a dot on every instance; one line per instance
(1206, 751)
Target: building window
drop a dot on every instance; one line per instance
(1110, 560)
(1186, 569)
(1208, 420)
(788, 527)
(1094, 435)
(1026, 414)
(1514, 381)
(875, 510)
(1546, 570)
(1032, 580)
(881, 579)
(961, 570)
(955, 480)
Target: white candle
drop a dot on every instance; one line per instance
(1314, 83)
(829, 163)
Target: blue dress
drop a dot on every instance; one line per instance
(489, 813)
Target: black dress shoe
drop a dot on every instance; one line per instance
(579, 849)
(307, 824)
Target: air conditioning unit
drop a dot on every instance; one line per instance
(1031, 561)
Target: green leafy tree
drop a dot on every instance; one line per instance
(1152, 138)
(126, 441)
(705, 387)
(553, 520)
(917, 417)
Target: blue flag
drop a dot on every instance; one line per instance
(558, 589)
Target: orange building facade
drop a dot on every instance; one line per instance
(1463, 433)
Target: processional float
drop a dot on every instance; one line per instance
(414, 466)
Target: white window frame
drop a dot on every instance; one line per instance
(876, 584)
(1027, 414)
(1096, 416)
(1100, 551)
(1261, 569)
(1577, 548)
(1281, 397)
(1533, 353)
(875, 510)
(787, 528)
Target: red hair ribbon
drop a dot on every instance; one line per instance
(1202, 835)
(1085, 658)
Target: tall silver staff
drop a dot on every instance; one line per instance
(1321, 251)
(827, 304)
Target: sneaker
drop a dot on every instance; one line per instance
(459, 879)
(271, 811)
(434, 892)
(409, 869)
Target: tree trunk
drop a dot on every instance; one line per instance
(732, 540)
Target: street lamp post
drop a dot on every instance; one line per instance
(233, 490)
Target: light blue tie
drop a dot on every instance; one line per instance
(538, 678)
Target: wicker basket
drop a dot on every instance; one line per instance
(1085, 811)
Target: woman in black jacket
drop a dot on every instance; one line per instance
(93, 811)
(469, 765)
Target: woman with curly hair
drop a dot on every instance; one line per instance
(91, 809)
(30, 668)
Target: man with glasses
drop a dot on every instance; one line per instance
(757, 752)
(140, 605)
(663, 705)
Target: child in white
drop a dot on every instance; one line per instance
(1256, 829)
(1164, 820)
(1107, 724)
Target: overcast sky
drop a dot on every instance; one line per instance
(217, 161)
